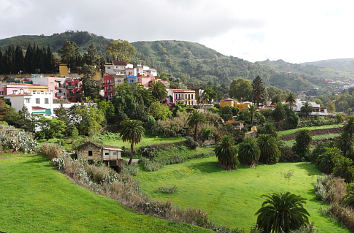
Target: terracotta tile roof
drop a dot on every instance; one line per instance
(119, 63)
(37, 108)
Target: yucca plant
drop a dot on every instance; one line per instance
(282, 212)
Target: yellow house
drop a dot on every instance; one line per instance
(37, 89)
(63, 70)
(97, 76)
(234, 103)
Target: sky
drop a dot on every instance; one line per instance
(254, 30)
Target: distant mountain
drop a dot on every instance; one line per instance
(197, 65)
(346, 64)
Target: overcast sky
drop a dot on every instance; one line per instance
(295, 31)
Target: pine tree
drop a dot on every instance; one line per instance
(19, 59)
(258, 93)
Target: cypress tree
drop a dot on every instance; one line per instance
(19, 59)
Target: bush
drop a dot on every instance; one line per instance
(302, 144)
(150, 165)
(51, 150)
(268, 128)
(343, 167)
(131, 169)
(148, 152)
(17, 140)
(249, 152)
(348, 199)
(320, 149)
(325, 161)
(174, 127)
(226, 152)
(167, 189)
(270, 152)
(191, 143)
(288, 155)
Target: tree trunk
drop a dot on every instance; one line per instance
(131, 153)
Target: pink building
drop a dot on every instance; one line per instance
(55, 85)
(16, 89)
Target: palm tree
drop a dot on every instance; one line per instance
(194, 119)
(306, 109)
(159, 91)
(282, 212)
(249, 152)
(252, 109)
(226, 153)
(290, 99)
(131, 131)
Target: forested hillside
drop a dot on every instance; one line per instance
(196, 65)
(346, 64)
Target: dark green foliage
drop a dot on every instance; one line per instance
(291, 119)
(191, 143)
(159, 91)
(226, 113)
(259, 93)
(346, 140)
(226, 153)
(302, 144)
(249, 152)
(320, 149)
(36, 60)
(349, 197)
(208, 95)
(268, 128)
(241, 89)
(270, 152)
(288, 155)
(325, 162)
(344, 168)
(148, 152)
(279, 112)
(306, 110)
(207, 134)
(282, 212)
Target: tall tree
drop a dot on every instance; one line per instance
(70, 55)
(258, 91)
(91, 57)
(282, 212)
(158, 91)
(241, 89)
(290, 99)
(249, 152)
(270, 152)
(131, 131)
(194, 119)
(226, 153)
(252, 108)
(346, 142)
(306, 109)
(120, 50)
(302, 144)
(208, 94)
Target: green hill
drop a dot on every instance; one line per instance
(345, 64)
(197, 65)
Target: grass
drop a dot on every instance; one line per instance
(232, 198)
(37, 198)
(183, 151)
(145, 141)
(290, 143)
(291, 131)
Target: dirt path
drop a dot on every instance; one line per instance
(313, 133)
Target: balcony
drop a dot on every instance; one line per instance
(60, 94)
(59, 87)
(70, 87)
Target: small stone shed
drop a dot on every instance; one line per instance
(94, 152)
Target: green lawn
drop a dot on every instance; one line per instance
(231, 198)
(183, 151)
(290, 131)
(37, 198)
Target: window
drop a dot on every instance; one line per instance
(27, 100)
(1, 92)
(38, 101)
(90, 153)
(14, 92)
(106, 153)
(46, 101)
(52, 83)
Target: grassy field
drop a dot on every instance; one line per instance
(231, 198)
(184, 151)
(290, 143)
(291, 131)
(37, 198)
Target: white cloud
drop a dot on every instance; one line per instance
(295, 31)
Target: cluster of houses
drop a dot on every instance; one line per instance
(42, 94)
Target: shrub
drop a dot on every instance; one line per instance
(207, 134)
(269, 149)
(167, 189)
(325, 161)
(150, 165)
(343, 167)
(131, 169)
(17, 140)
(302, 144)
(320, 149)
(348, 199)
(268, 128)
(249, 152)
(148, 152)
(226, 152)
(191, 143)
(174, 127)
(288, 155)
(320, 189)
(51, 150)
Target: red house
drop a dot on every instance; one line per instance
(73, 88)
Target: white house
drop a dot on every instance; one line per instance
(116, 67)
(317, 110)
(39, 103)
